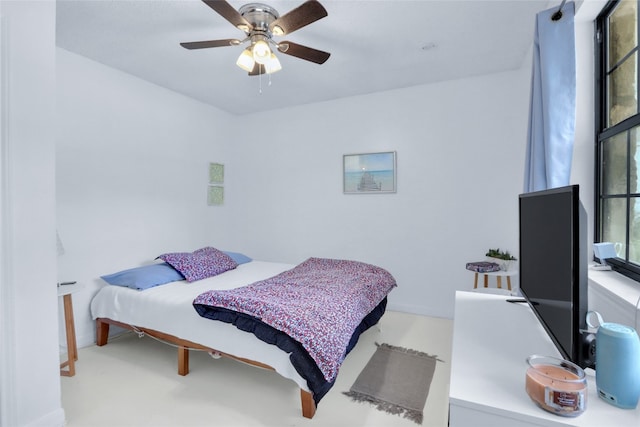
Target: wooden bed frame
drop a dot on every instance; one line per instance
(102, 336)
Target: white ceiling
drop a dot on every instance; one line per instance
(375, 45)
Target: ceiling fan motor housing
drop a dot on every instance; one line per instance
(260, 16)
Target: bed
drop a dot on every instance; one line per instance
(168, 312)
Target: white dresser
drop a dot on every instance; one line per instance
(491, 342)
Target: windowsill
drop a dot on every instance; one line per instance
(614, 296)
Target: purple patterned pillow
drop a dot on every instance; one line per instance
(200, 264)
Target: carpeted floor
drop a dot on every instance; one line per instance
(133, 382)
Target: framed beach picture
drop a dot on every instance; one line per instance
(369, 173)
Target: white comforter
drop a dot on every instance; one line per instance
(168, 308)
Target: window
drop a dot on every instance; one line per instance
(618, 134)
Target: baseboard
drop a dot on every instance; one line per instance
(420, 310)
(55, 419)
(87, 340)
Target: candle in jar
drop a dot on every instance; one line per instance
(553, 385)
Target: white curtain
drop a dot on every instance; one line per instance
(553, 101)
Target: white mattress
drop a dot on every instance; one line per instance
(168, 308)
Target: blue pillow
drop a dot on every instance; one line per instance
(238, 257)
(144, 277)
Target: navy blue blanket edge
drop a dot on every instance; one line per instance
(300, 359)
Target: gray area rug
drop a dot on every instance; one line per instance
(396, 380)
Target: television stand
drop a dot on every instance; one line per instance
(488, 367)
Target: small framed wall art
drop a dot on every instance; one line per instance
(216, 173)
(215, 187)
(215, 195)
(369, 173)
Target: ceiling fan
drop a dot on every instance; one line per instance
(260, 23)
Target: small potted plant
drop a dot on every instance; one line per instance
(503, 259)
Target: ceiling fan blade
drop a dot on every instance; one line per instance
(308, 12)
(303, 52)
(257, 69)
(228, 12)
(210, 43)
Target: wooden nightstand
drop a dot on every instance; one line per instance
(65, 291)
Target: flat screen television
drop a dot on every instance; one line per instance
(553, 268)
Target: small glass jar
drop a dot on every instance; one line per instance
(556, 385)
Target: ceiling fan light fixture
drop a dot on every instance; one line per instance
(272, 65)
(283, 47)
(260, 22)
(261, 52)
(245, 60)
(244, 27)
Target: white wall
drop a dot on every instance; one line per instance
(129, 188)
(29, 372)
(460, 156)
(132, 172)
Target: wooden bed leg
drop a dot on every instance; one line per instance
(183, 361)
(308, 405)
(102, 332)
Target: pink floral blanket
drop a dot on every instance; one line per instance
(319, 303)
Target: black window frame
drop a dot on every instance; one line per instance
(602, 133)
